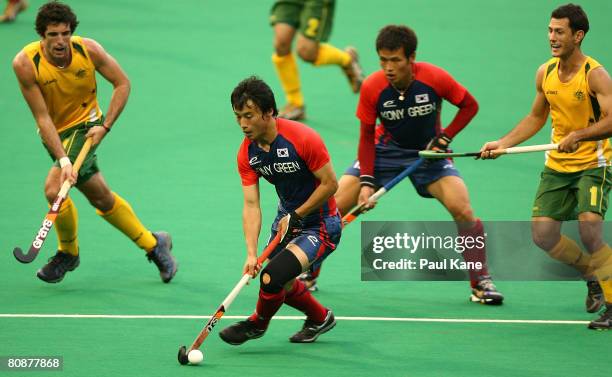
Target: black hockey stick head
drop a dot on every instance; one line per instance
(25, 257)
(182, 356)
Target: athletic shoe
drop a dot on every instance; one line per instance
(604, 322)
(309, 282)
(311, 330)
(59, 264)
(486, 293)
(353, 71)
(595, 298)
(240, 332)
(292, 112)
(162, 256)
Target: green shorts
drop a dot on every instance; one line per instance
(73, 140)
(562, 196)
(313, 18)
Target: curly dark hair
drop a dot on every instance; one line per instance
(578, 19)
(52, 13)
(256, 90)
(394, 37)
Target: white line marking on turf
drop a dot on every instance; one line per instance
(285, 317)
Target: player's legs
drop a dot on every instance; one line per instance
(307, 49)
(118, 212)
(287, 69)
(346, 198)
(278, 285)
(321, 54)
(316, 21)
(590, 227)
(283, 38)
(282, 269)
(347, 193)
(388, 163)
(285, 20)
(453, 194)
(592, 195)
(315, 244)
(450, 190)
(66, 224)
(599, 273)
(560, 197)
(13, 8)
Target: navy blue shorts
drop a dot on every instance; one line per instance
(317, 240)
(392, 160)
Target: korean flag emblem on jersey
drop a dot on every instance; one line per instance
(421, 98)
(282, 152)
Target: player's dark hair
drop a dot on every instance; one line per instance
(394, 37)
(53, 13)
(578, 19)
(256, 90)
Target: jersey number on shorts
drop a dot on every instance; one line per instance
(593, 191)
(313, 25)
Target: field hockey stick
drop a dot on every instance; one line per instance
(361, 208)
(183, 351)
(495, 152)
(49, 220)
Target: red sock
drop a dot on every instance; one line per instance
(267, 305)
(315, 273)
(300, 298)
(475, 254)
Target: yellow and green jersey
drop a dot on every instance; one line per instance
(70, 92)
(573, 107)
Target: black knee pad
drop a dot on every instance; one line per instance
(281, 269)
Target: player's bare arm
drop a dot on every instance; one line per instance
(600, 84)
(326, 189)
(34, 98)
(108, 67)
(251, 225)
(528, 126)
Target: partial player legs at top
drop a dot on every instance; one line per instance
(313, 20)
(347, 194)
(13, 8)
